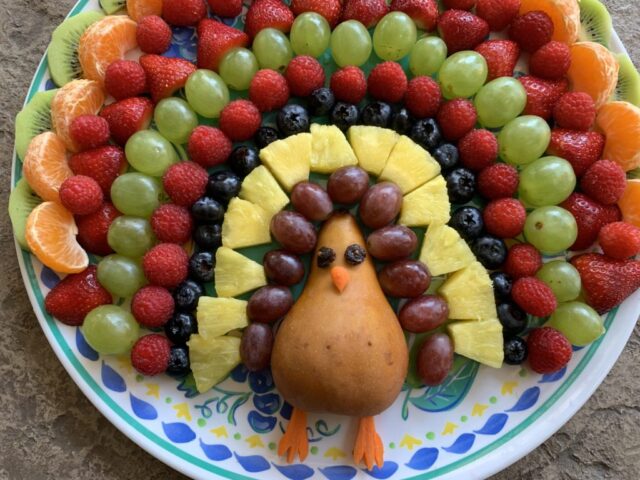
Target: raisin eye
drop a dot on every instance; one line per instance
(326, 257)
(355, 254)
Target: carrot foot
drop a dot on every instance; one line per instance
(368, 447)
(294, 441)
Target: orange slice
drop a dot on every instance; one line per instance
(620, 122)
(78, 97)
(593, 70)
(103, 43)
(137, 9)
(630, 203)
(565, 15)
(51, 235)
(45, 165)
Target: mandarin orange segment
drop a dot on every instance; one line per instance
(138, 9)
(51, 235)
(630, 203)
(45, 165)
(565, 15)
(620, 122)
(593, 70)
(103, 43)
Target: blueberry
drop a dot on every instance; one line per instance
(321, 101)
(515, 351)
(208, 237)
(344, 115)
(427, 133)
(292, 119)
(401, 121)
(377, 114)
(206, 210)
(201, 265)
(243, 160)
(502, 284)
(180, 327)
(490, 251)
(512, 318)
(179, 364)
(223, 186)
(468, 222)
(187, 294)
(461, 185)
(447, 156)
(265, 136)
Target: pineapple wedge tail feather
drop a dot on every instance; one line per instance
(261, 188)
(236, 274)
(480, 341)
(444, 251)
(426, 205)
(218, 316)
(469, 293)
(372, 146)
(245, 225)
(289, 160)
(330, 149)
(409, 166)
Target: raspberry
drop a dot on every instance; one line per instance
(456, 118)
(183, 13)
(240, 120)
(269, 90)
(498, 181)
(534, 296)
(531, 30)
(387, 82)
(504, 217)
(150, 354)
(575, 111)
(498, 13)
(172, 223)
(349, 84)
(89, 131)
(166, 265)
(604, 181)
(185, 182)
(549, 350)
(459, 4)
(551, 61)
(209, 146)
(81, 195)
(478, 149)
(423, 97)
(619, 240)
(225, 8)
(103, 164)
(93, 229)
(152, 306)
(153, 35)
(304, 74)
(125, 79)
(523, 260)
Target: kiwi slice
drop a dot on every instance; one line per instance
(628, 87)
(112, 6)
(22, 201)
(33, 119)
(595, 22)
(62, 54)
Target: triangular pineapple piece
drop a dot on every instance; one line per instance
(289, 160)
(444, 251)
(409, 166)
(480, 341)
(469, 293)
(236, 274)
(426, 205)
(330, 149)
(212, 359)
(217, 316)
(245, 224)
(261, 188)
(372, 146)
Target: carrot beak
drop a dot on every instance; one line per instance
(340, 277)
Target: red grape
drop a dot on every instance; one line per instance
(347, 185)
(311, 200)
(269, 303)
(423, 313)
(380, 205)
(255, 346)
(283, 268)
(392, 243)
(404, 278)
(435, 359)
(294, 232)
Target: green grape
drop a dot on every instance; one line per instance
(577, 321)
(131, 236)
(136, 194)
(121, 275)
(350, 44)
(463, 74)
(394, 36)
(546, 181)
(562, 278)
(149, 152)
(310, 34)
(524, 140)
(238, 67)
(110, 330)
(550, 229)
(272, 49)
(427, 56)
(206, 93)
(500, 101)
(175, 119)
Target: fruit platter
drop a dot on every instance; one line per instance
(333, 239)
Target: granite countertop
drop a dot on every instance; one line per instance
(48, 429)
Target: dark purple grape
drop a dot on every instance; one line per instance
(380, 205)
(312, 201)
(423, 314)
(269, 303)
(347, 185)
(404, 278)
(392, 243)
(435, 359)
(283, 268)
(294, 232)
(256, 346)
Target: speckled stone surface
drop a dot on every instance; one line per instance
(48, 429)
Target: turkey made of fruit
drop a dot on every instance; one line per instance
(404, 190)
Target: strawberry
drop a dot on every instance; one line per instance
(127, 116)
(94, 228)
(225, 8)
(549, 350)
(103, 164)
(606, 282)
(461, 30)
(459, 4)
(214, 40)
(580, 149)
(267, 14)
(329, 9)
(165, 75)
(590, 217)
(501, 57)
(183, 13)
(498, 13)
(423, 12)
(542, 95)
(367, 12)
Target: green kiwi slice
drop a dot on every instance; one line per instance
(33, 119)
(596, 22)
(112, 6)
(22, 201)
(62, 54)
(628, 87)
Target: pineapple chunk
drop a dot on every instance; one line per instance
(443, 251)
(236, 274)
(479, 341)
(261, 188)
(330, 149)
(217, 316)
(372, 146)
(409, 166)
(212, 359)
(469, 293)
(245, 225)
(289, 159)
(426, 205)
